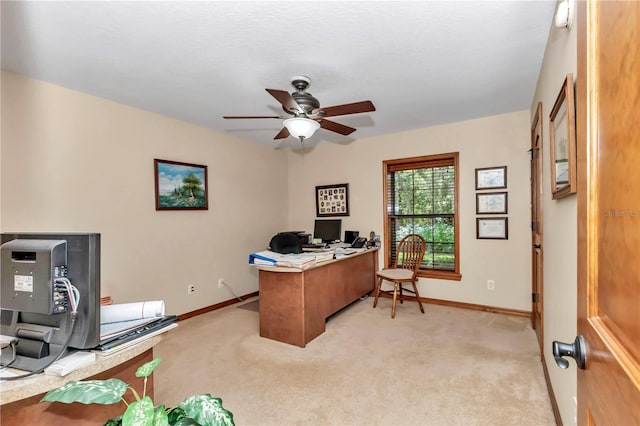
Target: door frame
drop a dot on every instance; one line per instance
(537, 259)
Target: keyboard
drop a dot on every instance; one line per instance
(136, 333)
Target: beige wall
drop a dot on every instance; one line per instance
(77, 163)
(0, 156)
(560, 226)
(73, 162)
(492, 141)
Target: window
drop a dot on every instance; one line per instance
(421, 197)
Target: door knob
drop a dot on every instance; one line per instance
(575, 350)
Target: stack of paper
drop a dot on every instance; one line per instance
(323, 257)
(270, 258)
(69, 363)
(301, 261)
(263, 258)
(342, 252)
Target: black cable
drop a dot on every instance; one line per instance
(13, 357)
(74, 318)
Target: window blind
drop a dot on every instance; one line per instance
(420, 199)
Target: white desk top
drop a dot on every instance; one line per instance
(20, 389)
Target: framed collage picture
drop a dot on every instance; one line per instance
(332, 200)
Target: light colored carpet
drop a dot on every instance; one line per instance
(254, 305)
(449, 366)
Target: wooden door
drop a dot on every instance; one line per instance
(608, 101)
(536, 226)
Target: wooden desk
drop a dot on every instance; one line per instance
(295, 303)
(21, 399)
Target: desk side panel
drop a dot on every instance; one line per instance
(281, 307)
(331, 288)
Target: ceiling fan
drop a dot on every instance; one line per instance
(304, 114)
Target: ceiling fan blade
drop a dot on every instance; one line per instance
(282, 134)
(233, 117)
(336, 127)
(285, 99)
(353, 108)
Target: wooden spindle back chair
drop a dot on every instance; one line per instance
(409, 256)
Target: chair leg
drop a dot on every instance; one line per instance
(415, 289)
(401, 295)
(375, 301)
(395, 298)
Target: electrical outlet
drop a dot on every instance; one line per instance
(220, 282)
(191, 289)
(491, 285)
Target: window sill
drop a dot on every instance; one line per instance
(441, 275)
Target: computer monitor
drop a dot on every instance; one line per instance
(328, 230)
(34, 309)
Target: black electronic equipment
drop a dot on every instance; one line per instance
(303, 236)
(35, 306)
(327, 230)
(358, 242)
(349, 236)
(285, 243)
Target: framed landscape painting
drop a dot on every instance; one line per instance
(180, 186)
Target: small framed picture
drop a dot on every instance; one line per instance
(491, 177)
(492, 228)
(491, 203)
(562, 138)
(332, 200)
(180, 186)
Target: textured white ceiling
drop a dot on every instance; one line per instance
(421, 63)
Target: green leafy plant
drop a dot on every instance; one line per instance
(195, 410)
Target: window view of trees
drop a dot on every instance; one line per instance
(421, 200)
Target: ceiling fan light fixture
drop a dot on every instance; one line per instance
(300, 127)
